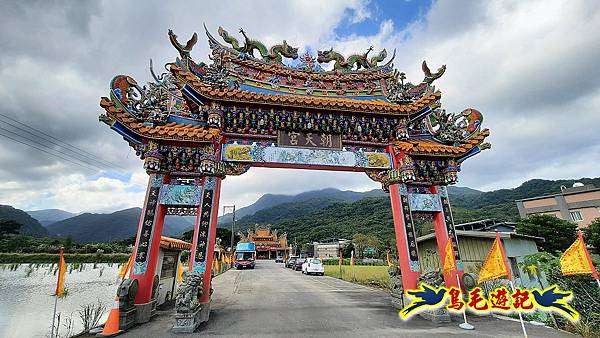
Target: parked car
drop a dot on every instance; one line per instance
(298, 264)
(313, 265)
(279, 259)
(290, 262)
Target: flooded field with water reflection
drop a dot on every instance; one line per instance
(26, 304)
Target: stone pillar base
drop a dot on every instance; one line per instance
(144, 312)
(189, 322)
(127, 318)
(398, 302)
(437, 316)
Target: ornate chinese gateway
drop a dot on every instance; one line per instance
(258, 106)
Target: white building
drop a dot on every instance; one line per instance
(330, 249)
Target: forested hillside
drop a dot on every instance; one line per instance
(321, 218)
(29, 225)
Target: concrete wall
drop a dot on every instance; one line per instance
(473, 251)
(561, 206)
(542, 202)
(327, 250)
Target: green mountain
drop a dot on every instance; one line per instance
(29, 225)
(115, 226)
(49, 216)
(321, 218)
(267, 201)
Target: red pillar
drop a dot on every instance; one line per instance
(147, 242)
(444, 229)
(205, 231)
(406, 241)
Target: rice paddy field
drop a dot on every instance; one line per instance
(361, 274)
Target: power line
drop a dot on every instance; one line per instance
(52, 149)
(78, 150)
(43, 150)
(69, 158)
(79, 155)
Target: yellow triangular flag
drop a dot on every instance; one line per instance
(217, 265)
(179, 273)
(62, 268)
(389, 260)
(126, 267)
(575, 260)
(449, 260)
(495, 265)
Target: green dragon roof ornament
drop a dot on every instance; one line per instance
(357, 60)
(273, 54)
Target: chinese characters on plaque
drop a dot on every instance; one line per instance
(203, 227)
(450, 225)
(309, 140)
(411, 238)
(147, 225)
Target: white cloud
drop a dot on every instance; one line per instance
(528, 66)
(77, 193)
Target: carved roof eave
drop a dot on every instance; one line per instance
(379, 72)
(168, 132)
(231, 94)
(424, 147)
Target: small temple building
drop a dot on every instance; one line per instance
(269, 244)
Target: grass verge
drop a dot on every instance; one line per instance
(8, 258)
(361, 274)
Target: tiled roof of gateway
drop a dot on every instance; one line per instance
(170, 131)
(173, 243)
(430, 147)
(332, 103)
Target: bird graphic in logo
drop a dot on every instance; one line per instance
(424, 297)
(554, 300)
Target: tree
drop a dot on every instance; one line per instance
(374, 243)
(308, 248)
(347, 250)
(360, 241)
(222, 233)
(558, 234)
(8, 226)
(592, 234)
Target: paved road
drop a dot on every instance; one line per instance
(272, 301)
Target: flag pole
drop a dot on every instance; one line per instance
(54, 316)
(589, 259)
(510, 277)
(519, 312)
(465, 325)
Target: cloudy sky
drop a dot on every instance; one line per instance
(531, 67)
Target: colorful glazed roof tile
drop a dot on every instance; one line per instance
(318, 102)
(432, 147)
(170, 131)
(174, 244)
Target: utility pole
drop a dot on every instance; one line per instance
(232, 223)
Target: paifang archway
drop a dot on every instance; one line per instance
(198, 123)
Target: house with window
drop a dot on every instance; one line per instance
(579, 204)
(474, 246)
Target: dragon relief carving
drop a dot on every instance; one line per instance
(357, 60)
(400, 92)
(275, 54)
(152, 103)
(454, 128)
